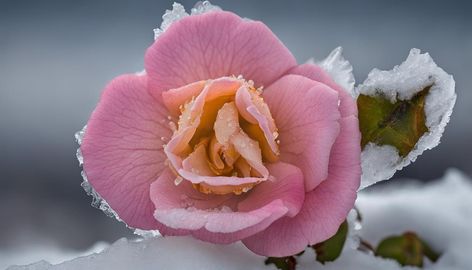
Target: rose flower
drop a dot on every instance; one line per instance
(225, 138)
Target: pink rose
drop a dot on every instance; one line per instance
(196, 147)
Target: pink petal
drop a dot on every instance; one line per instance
(122, 148)
(325, 208)
(286, 184)
(257, 113)
(214, 45)
(181, 210)
(174, 98)
(306, 113)
(347, 106)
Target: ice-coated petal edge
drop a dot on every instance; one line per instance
(97, 201)
(339, 69)
(178, 12)
(403, 82)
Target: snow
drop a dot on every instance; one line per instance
(339, 69)
(402, 83)
(44, 252)
(163, 253)
(440, 212)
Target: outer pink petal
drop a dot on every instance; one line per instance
(181, 210)
(287, 183)
(213, 45)
(122, 148)
(347, 106)
(306, 113)
(325, 208)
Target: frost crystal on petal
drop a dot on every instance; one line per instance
(178, 12)
(97, 200)
(203, 7)
(403, 82)
(339, 68)
(79, 135)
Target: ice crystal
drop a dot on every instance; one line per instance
(339, 68)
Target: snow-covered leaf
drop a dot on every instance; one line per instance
(402, 113)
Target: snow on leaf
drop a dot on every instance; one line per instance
(402, 113)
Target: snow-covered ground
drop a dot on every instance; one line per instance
(439, 212)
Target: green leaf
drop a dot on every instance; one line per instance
(330, 249)
(400, 124)
(406, 249)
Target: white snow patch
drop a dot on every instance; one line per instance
(162, 253)
(439, 212)
(339, 68)
(46, 253)
(402, 83)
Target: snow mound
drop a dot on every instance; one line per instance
(439, 212)
(402, 83)
(161, 253)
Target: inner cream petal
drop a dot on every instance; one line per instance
(250, 151)
(197, 161)
(227, 123)
(243, 167)
(255, 111)
(215, 149)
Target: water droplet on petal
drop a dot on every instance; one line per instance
(178, 180)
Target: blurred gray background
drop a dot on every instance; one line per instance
(56, 56)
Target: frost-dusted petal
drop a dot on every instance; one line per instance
(174, 98)
(214, 45)
(255, 111)
(122, 148)
(181, 210)
(191, 118)
(187, 128)
(226, 123)
(325, 208)
(197, 162)
(347, 104)
(306, 113)
(250, 151)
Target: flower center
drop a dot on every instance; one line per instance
(225, 130)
